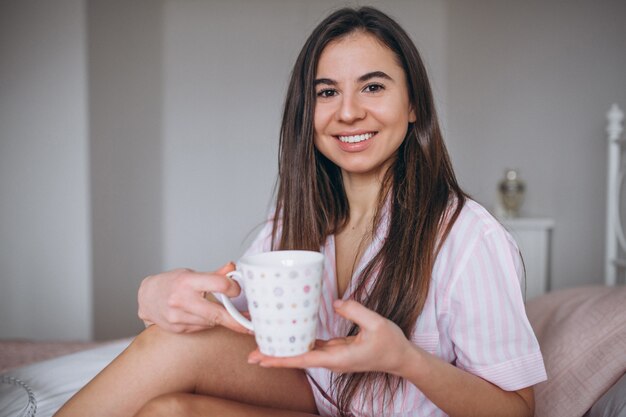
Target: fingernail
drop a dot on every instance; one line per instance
(338, 303)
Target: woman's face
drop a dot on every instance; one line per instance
(362, 108)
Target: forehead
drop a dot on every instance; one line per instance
(357, 51)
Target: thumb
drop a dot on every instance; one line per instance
(357, 313)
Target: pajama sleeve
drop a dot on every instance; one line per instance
(489, 329)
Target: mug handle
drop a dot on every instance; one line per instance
(230, 307)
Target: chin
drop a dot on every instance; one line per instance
(361, 170)
(364, 167)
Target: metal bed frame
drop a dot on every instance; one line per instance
(615, 262)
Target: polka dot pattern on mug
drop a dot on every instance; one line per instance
(284, 308)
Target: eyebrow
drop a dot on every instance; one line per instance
(363, 78)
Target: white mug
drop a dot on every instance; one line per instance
(283, 289)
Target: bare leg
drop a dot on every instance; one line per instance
(192, 405)
(211, 362)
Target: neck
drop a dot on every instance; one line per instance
(362, 193)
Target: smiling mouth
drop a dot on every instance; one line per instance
(356, 138)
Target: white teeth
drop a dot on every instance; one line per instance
(355, 138)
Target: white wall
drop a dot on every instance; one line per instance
(529, 84)
(173, 154)
(45, 276)
(172, 159)
(125, 104)
(226, 69)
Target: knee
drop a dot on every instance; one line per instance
(203, 342)
(155, 337)
(148, 337)
(169, 405)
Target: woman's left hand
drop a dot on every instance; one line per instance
(379, 346)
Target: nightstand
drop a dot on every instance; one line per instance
(534, 236)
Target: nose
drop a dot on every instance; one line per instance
(350, 109)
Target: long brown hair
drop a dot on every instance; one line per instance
(420, 187)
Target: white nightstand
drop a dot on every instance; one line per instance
(533, 235)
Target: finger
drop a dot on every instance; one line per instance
(193, 329)
(320, 343)
(311, 359)
(333, 342)
(229, 267)
(180, 318)
(228, 321)
(357, 313)
(265, 361)
(181, 322)
(316, 358)
(214, 314)
(233, 288)
(211, 282)
(256, 356)
(183, 328)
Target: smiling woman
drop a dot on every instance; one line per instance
(421, 307)
(362, 111)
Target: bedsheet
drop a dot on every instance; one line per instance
(54, 381)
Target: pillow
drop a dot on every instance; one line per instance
(582, 334)
(612, 403)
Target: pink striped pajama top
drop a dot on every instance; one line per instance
(474, 315)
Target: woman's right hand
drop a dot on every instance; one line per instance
(175, 300)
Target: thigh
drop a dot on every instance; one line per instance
(193, 405)
(222, 371)
(211, 362)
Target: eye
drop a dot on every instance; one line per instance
(326, 93)
(373, 88)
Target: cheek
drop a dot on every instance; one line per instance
(322, 145)
(319, 120)
(323, 116)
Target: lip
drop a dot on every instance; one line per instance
(355, 133)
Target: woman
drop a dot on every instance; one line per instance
(422, 312)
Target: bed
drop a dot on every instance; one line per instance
(582, 333)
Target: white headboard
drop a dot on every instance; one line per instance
(615, 263)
